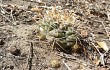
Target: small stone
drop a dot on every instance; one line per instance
(68, 4)
(101, 68)
(16, 23)
(55, 63)
(11, 67)
(14, 51)
(2, 42)
(0, 66)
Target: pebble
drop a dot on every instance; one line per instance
(14, 51)
(2, 42)
(55, 63)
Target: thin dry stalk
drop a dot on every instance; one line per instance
(106, 31)
(66, 65)
(101, 55)
(31, 57)
(12, 15)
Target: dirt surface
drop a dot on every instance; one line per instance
(21, 49)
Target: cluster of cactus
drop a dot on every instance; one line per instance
(63, 34)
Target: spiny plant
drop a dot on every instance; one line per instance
(57, 27)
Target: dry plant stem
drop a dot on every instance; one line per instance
(101, 55)
(66, 65)
(106, 30)
(53, 44)
(19, 58)
(12, 15)
(43, 42)
(60, 46)
(31, 56)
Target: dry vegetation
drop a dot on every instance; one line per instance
(64, 35)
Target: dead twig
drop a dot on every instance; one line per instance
(66, 65)
(101, 55)
(12, 15)
(11, 57)
(106, 30)
(31, 57)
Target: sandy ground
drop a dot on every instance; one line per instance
(22, 31)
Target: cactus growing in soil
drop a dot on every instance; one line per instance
(58, 29)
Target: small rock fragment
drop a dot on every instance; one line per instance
(84, 33)
(55, 63)
(14, 51)
(11, 67)
(101, 68)
(2, 42)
